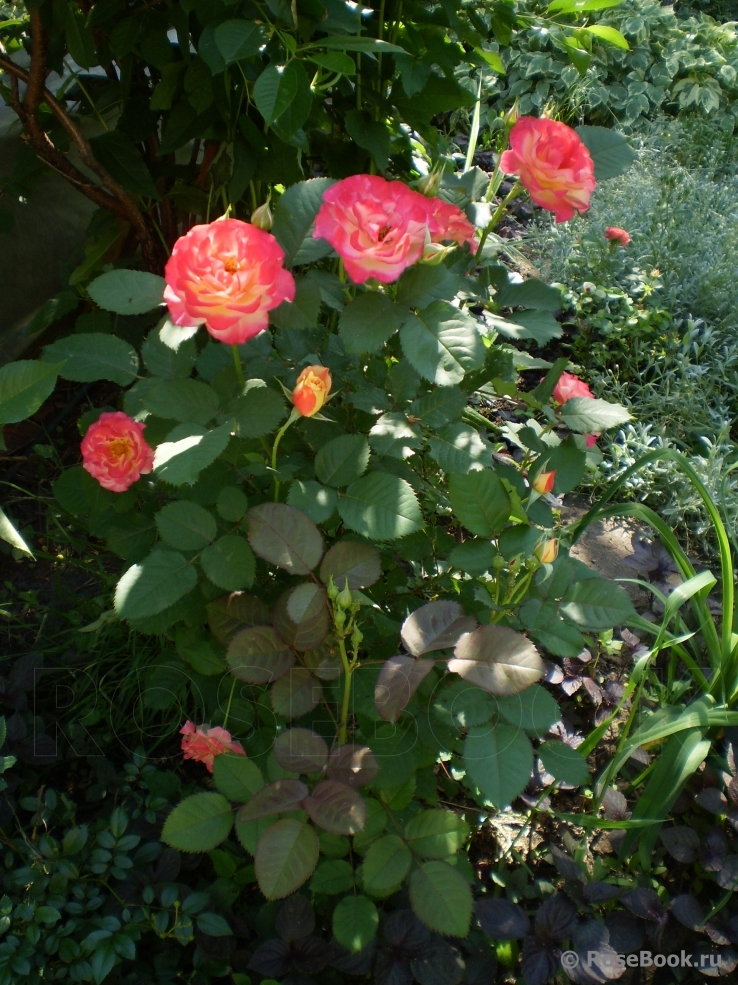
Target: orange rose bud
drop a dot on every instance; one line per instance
(544, 482)
(547, 551)
(311, 390)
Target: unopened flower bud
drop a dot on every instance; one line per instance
(311, 389)
(356, 637)
(339, 618)
(544, 482)
(344, 598)
(428, 184)
(331, 590)
(262, 217)
(547, 551)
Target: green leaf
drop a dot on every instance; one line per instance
(334, 61)
(597, 603)
(131, 536)
(353, 561)
(473, 556)
(231, 504)
(425, 283)
(440, 896)
(229, 563)
(610, 151)
(24, 385)
(332, 877)
(182, 400)
(341, 43)
(441, 343)
(237, 777)
(458, 448)
(102, 960)
(213, 925)
(395, 436)
(441, 406)
(10, 535)
(532, 709)
(285, 857)
(94, 356)
(258, 656)
(436, 834)
(381, 506)
(168, 362)
(198, 84)
(586, 414)
(609, 34)
(355, 922)
(368, 321)
(121, 158)
(285, 537)
(480, 502)
(497, 659)
(294, 216)
(301, 616)
(258, 411)
(342, 460)
(80, 41)
(199, 823)
(238, 39)
(180, 462)
(295, 694)
(318, 502)
(157, 582)
(493, 59)
(274, 90)
(563, 762)
(541, 326)
(385, 866)
(531, 293)
(498, 761)
(127, 292)
(370, 134)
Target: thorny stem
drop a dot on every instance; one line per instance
(348, 671)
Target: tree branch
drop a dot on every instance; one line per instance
(109, 195)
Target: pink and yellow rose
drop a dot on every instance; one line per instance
(227, 275)
(203, 744)
(379, 228)
(114, 451)
(311, 390)
(553, 164)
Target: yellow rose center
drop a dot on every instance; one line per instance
(119, 447)
(231, 264)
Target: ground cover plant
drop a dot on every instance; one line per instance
(655, 320)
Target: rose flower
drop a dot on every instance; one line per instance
(114, 451)
(228, 276)
(553, 164)
(203, 743)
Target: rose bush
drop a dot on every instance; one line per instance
(363, 584)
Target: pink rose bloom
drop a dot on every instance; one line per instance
(553, 164)
(377, 227)
(203, 743)
(227, 276)
(114, 451)
(617, 235)
(447, 222)
(591, 439)
(570, 386)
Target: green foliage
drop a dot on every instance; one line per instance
(662, 62)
